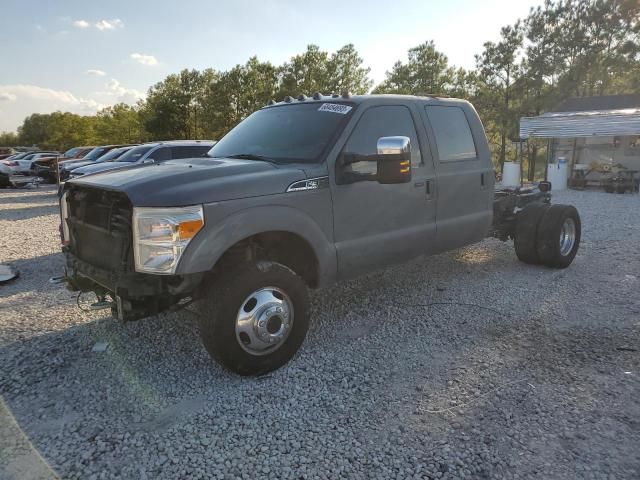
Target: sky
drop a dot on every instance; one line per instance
(80, 56)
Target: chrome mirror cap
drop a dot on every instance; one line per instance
(394, 145)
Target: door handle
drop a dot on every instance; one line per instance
(427, 189)
(482, 179)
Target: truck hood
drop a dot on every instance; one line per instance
(93, 167)
(193, 181)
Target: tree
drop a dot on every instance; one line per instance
(173, 105)
(346, 73)
(33, 130)
(426, 71)
(9, 139)
(235, 94)
(497, 71)
(119, 123)
(306, 73)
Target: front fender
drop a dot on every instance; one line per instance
(219, 234)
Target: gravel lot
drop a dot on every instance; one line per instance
(532, 373)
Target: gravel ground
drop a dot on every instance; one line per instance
(519, 372)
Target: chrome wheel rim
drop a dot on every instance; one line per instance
(264, 321)
(567, 236)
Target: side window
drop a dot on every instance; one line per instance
(189, 152)
(376, 122)
(161, 154)
(453, 134)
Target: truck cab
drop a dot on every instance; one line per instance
(302, 193)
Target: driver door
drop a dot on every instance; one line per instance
(375, 224)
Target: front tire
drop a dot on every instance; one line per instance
(254, 319)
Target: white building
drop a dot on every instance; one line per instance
(595, 133)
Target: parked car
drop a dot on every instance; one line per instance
(25, 164)
(45, 166)
(151, 153)
(8, 167)
(75, 153)
(110, 156)
(67, 165)
(300, 194)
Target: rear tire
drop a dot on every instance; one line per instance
(276, 302)
(559, 235)
(525, 240)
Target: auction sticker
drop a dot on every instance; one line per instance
(335, 108)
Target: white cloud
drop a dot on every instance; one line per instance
(109, 24)
(101, 25)
(143, 59)
(81, 24)
(35, 99)
(122, 93)
(95, 72)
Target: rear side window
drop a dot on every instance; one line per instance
(190, 151)
(453, 134)
(161, 154)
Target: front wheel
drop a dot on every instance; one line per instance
(253, 319)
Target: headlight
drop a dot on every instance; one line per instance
(160, 236)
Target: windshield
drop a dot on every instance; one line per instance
(288, 133)
(95, 153)
(112, 154)
(135, 154)
(71, 152)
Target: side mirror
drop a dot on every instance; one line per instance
(394, 160)
(148, 160)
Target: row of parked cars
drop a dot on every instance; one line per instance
(86, 160)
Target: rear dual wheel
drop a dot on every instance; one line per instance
(548, 235)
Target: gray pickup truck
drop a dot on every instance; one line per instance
(301, 194)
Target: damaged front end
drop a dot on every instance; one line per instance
(97, 239)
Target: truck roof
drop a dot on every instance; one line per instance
(362, 99)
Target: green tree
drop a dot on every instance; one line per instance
(306, 73)
(33, 130)
(119, 123)
(498, 69)
(345, 72)
(9, 139)
(233, 95)
(426, 71)
(174, 105)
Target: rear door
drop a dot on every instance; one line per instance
(465, 174)
(375, 224)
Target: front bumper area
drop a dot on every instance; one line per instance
(135, 295)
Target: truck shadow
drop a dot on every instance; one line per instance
(32, 196)
(25, 213)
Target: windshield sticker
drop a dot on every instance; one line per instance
(335, 108)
